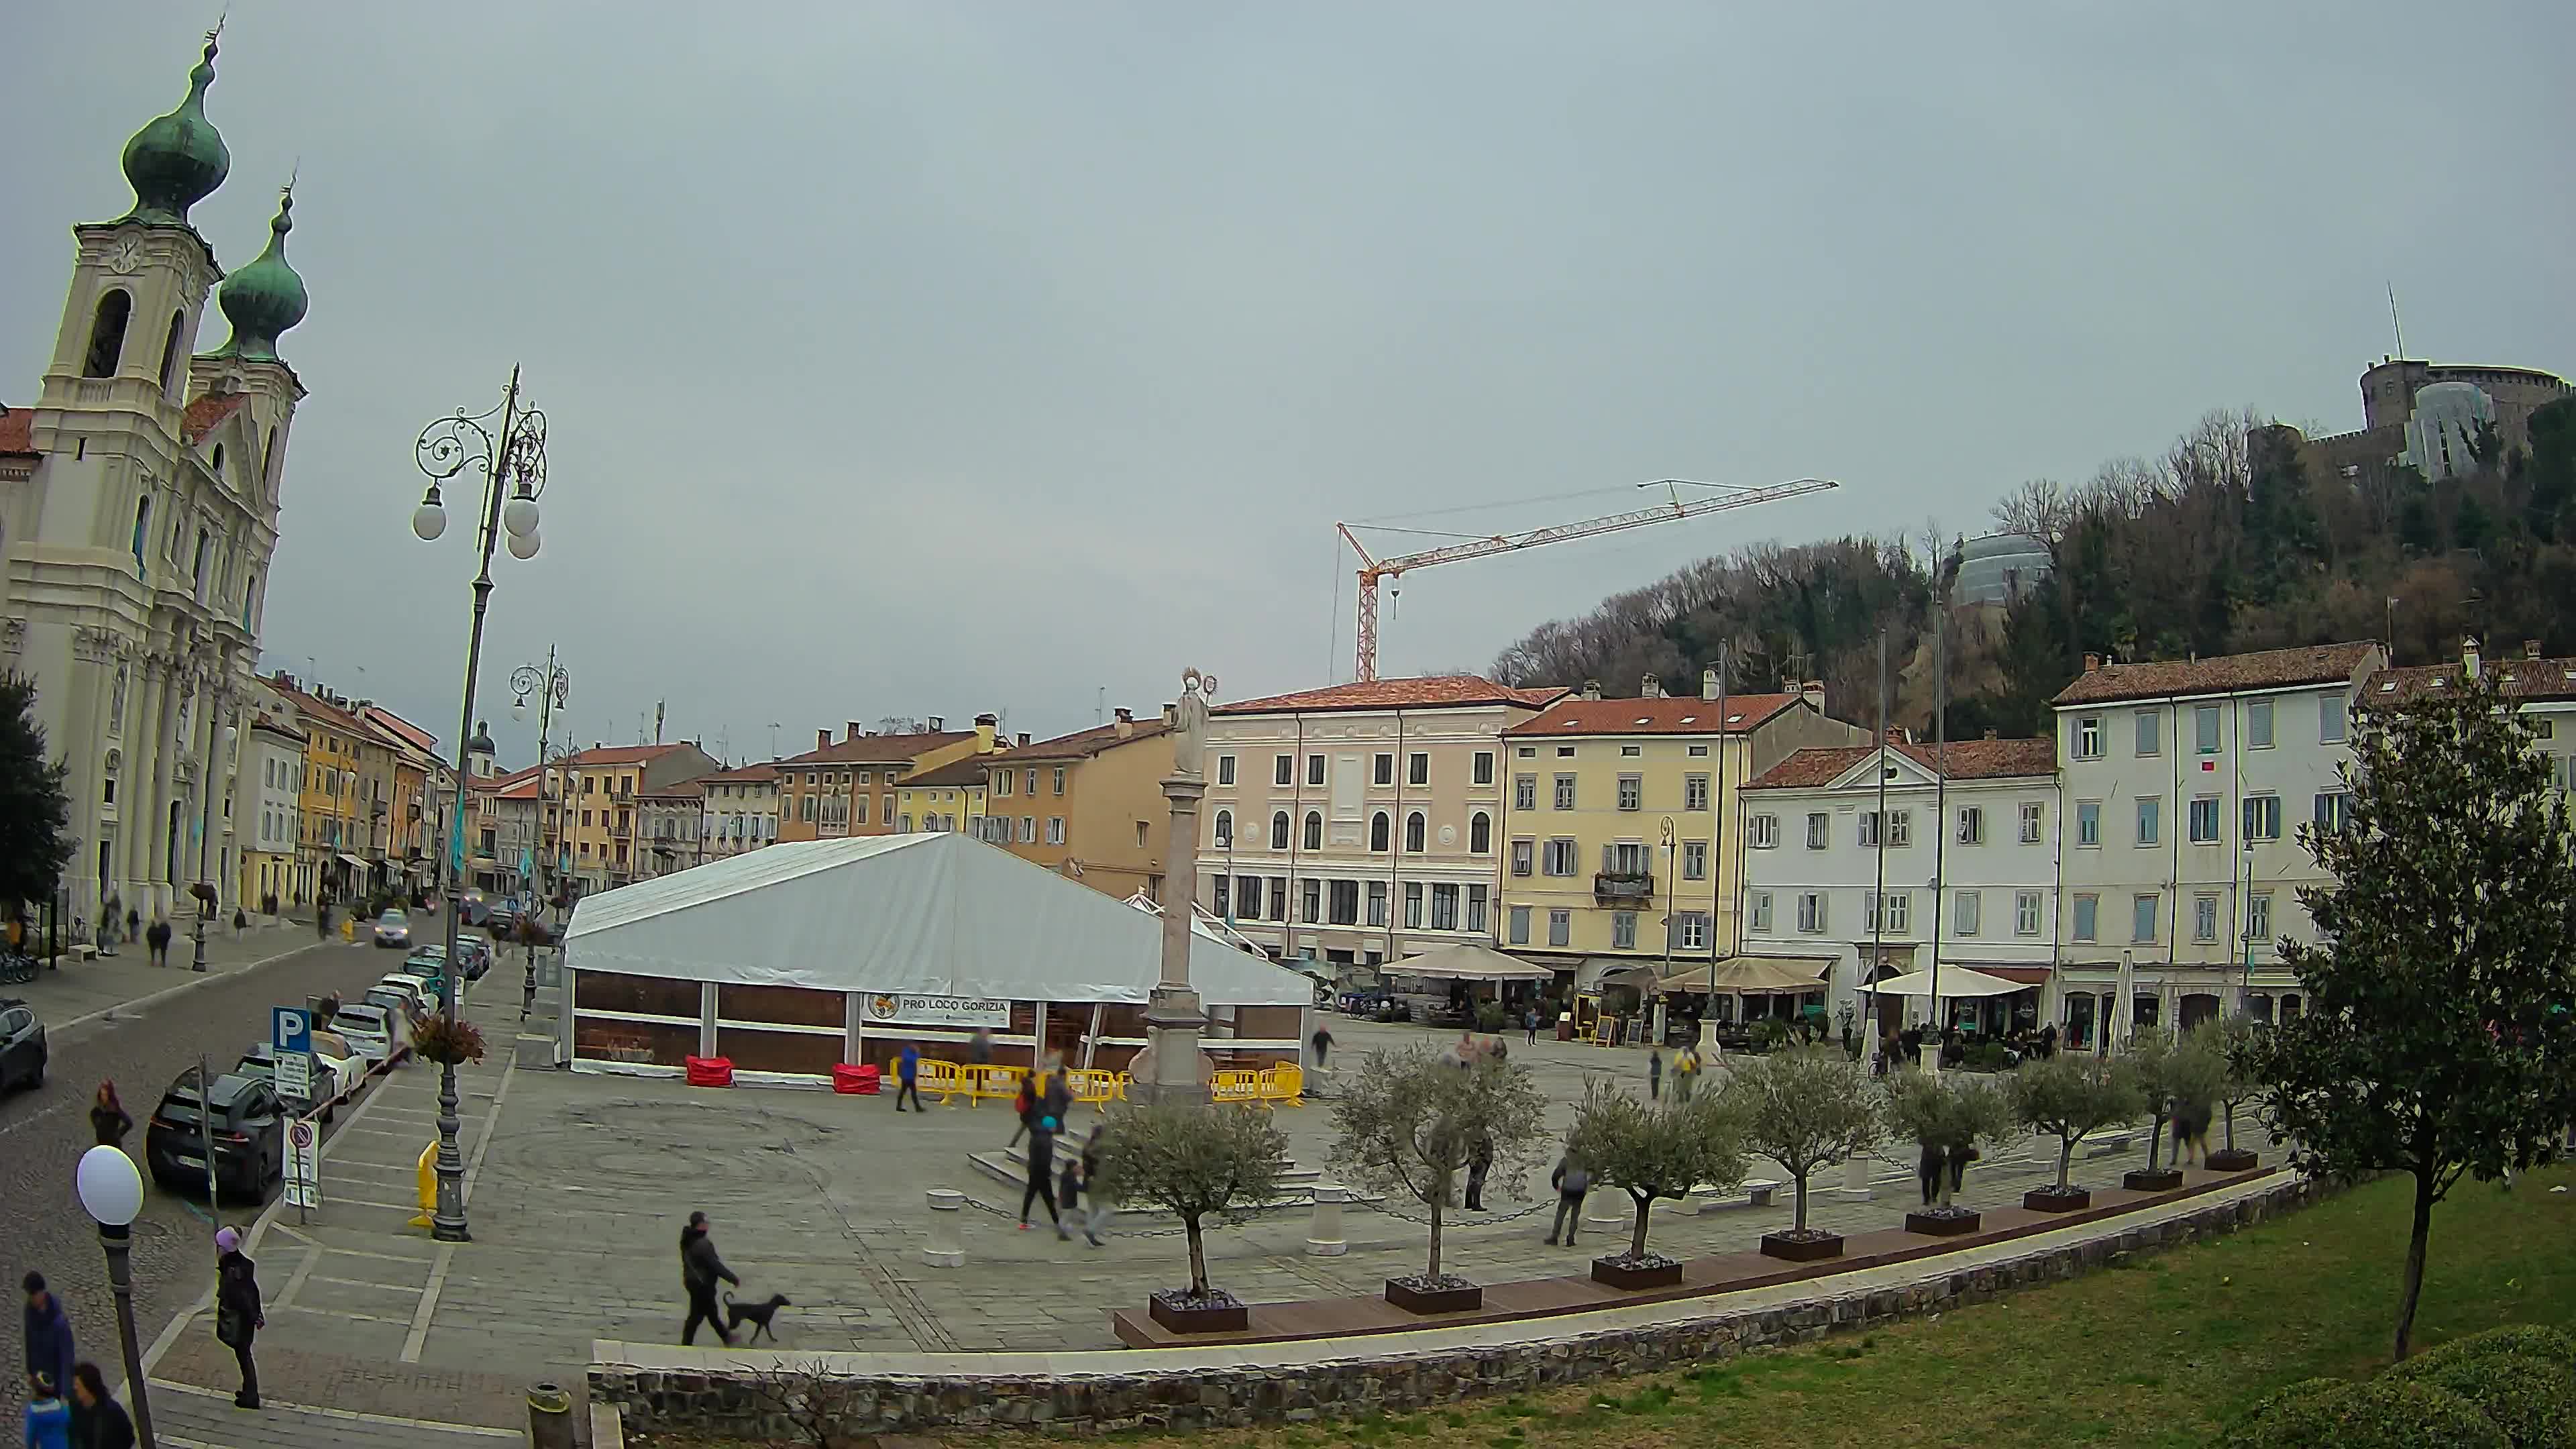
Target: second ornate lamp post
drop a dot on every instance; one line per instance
(513, 466)
(552, 687)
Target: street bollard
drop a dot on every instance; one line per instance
(1607, 1212)
(1856, 1188)
(549, 1417)
(947, 1248)
(1324, 1238)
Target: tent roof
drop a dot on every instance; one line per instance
(1955, 981)
(934, 914)
(1467, 961)
(1749, 973)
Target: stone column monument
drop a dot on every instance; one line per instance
(1172, 1014)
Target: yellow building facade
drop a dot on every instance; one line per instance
(1088, 805)
(331, 838)
(836, 790)
(1621, 827)
(946, 797)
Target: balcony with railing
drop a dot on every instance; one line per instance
(1623, 886)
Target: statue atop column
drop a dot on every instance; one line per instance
(1189, 736)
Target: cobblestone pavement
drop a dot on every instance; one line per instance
(580, 1188)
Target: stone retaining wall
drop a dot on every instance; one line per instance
(746, 1402)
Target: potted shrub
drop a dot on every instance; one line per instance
(1950, 1117)
(1806, 1110)
(1409, 1123)
(1651, 1151)
(2071, 1097)
(447, 1041)
(2160, 1064)
(2236, 1042)
(1195, 1163)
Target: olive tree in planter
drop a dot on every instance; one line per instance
(1952, 1115)
(1195, 1163)
(2070, 1097)
(1806, 1109)
(1650, 1151)
(1409, 1123)
(2236, 1042)
(2195, 1079)
(2156, 1061)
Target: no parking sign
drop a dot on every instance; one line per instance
(303, 1164)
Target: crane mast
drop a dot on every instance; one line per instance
(1374, 570)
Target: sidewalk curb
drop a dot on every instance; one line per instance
(138, 1004)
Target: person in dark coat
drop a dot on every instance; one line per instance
(1928, 1172)
(1959, 1159)
(700, 1270)
(108, 1121)
(158, 938)
(1571, 1181)
(133, 924)
(1480, 1161)
(238, 1315)
(98, 1420)
(49, 1333)
(1041, 1184)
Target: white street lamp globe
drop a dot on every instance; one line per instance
(523, 545)
(519, 707)
(519, 516)
(111, 1191)
(428, 521)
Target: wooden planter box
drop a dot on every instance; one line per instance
(1801, 1250)
(2152, 1179)
(1662, 1272)
(1460, 1298)
(1942, 1225)
(2050, 1200)
(1183, 1314)
(2233, 1159)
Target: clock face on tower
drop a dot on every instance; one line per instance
(125, 256)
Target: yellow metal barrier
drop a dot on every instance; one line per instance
(992, 1081)
(1093, 1086)
(1240, 1085)
(1286, 1083)
(937, 1075)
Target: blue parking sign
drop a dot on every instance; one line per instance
(290, 1030)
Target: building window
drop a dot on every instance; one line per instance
(2088, 822)
(1900, 827)
(1283, 770)
(1224, 829)
(142, 529)
(107, 333)
(1811, 912)
(1346, 903)
(1314, 769)
(1565, 792)
(1560, 927)
(1819, 830)
(1480, 834)
(1414, 828)
(1417, 770)
(1279, 830)
(1279, 898)
(1377, 903)
(1632, 792)
(1972, 825)
(1967, 912)
(1222, 902)
(2330, 722)
(1476, 901)
(1379, 832)
(1059, 779)
(2204, 729)
(1758, 906)
(2262, 817)
(1762, 832)
(2204, 820)
(1028, 830)
(1630, 752)
(2258, 725)
(1225, 769)
(2033, 819)
(2204, 918)
(1524, 852)
(2150, 733)
(1623, 930)
(2088, 910)
(2142, 919)
(1694, 860)
(1525, 792)
(1898, 909)
(1314, 830)
(2088, 737)
(1002, 782)
(1870, 834)
(2151, 819)
(1525, 752)
(1055, 830)
(1565, 752)
(1520, 925)
(1560, 857)
(1382, 769)
(2333, 807)
(2026, 913)
(1247, 897)
(1444, 907)
(1311, 904)
(1413, 905)
(1694, 792)
(2258, 916)
(1484, 770)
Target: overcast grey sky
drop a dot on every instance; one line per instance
(931, 358)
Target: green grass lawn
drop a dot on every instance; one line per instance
(2159, 1352)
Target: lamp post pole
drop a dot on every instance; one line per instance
(111, 1192)
(514, 474)
(552, 687)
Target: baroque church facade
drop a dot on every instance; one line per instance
(138, 514)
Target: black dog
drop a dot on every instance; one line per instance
(755, 1314)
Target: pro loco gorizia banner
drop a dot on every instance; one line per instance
(958, 1011)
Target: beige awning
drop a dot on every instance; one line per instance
(1467, 961)
(1955, 981)
(1738, 974)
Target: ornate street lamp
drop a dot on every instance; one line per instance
(552, 687)
(111, 1192)
(513, 465)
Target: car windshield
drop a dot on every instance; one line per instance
(393, 918)
(366, 1019)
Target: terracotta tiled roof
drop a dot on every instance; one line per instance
(684, 790)
(389, 723)
(1968, 760)
(1430, 691)
(2265, 669)
(1083, 744)
(17, 431)
(520, 789)
(322, 709)
(966, 772)
(599, 755)
(877, 749)
(1664, 716)
(2515, 678)
(766, 772)
(208, 412)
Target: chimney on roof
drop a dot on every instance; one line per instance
(1126, 724)
(987, 726)
(823, 738)
(2530, 648)
(1171, 714)
(851, 730)
(2092, 663)
(1708, 683)
(1990, 734)
(1592, 689)
(1650, 687)
(938, 723)
(1813, 692)
(1022, 737)
(2469, 656)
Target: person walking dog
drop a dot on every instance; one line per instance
(700, 1270)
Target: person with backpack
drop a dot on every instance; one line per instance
(1571, 1181)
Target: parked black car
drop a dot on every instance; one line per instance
(249, 1133)
(22, 1045)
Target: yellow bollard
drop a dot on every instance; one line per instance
(428, 1185)
(349, 929)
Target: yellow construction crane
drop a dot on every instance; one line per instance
(1373, 569)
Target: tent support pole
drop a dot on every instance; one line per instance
(1037, 1041)
(1091, 1038)
(854, 1032)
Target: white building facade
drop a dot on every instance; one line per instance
(1961, 867)
(268, 817)
(138, 514)
(2185, 784)
(741, 811)
(1342, 824)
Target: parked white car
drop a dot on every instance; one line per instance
(424, 1001)
(367, 1028)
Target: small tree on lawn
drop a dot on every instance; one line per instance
(1806, 1110)
(2071, 1097)
(1655, 1150)
(2436, 1040)
(2236, 1043)
(1409, 1123)
(2195, 1080)
(1195, 1163)
(2156, 1063)
(1952, 1112)
(34, 814)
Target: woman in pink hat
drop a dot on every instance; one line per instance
(237, 1311)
